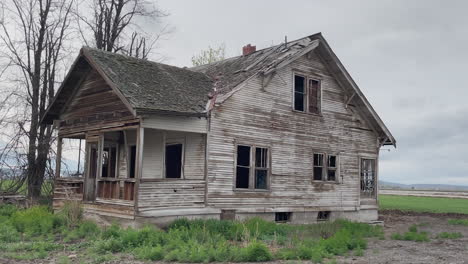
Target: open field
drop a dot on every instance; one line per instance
(442, 194)
(416, 230)
(423, 204)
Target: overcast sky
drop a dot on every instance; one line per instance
(408, 57)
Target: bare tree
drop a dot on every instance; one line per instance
(114, 28)
(32, 36)
(210, 55)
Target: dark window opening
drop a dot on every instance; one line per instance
(109, 161)
(132, 166)
(318, 167)
(282, 216)
(325, 167)
(299, 93)
(261, 168)
(252, 167)
(331, 167)
(314, 96)
(243, 167)
(323, 216)
(174, 161)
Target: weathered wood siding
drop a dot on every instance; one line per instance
(93, 104)
(156, 192)
(265, 117)
(176, 123)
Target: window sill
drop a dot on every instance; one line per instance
(329, 182)
(308, 113)
(252, 190)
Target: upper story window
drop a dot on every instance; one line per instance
(253, 167)
(307, 95)
(325, 167)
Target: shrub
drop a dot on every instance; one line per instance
(113, 245)
(71, 212)
(412, 235)
(446, 235)
(7, 210)
(149, 253)
(8, 233)
(37, 220)
(256, 251)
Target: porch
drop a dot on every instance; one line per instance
(123, 171)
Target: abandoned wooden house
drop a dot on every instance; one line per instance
(283, 133)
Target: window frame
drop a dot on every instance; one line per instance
(325, 159)
(307, 78)
(376, 175)
(252, 168)
(182, 165)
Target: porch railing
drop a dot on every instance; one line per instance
(115, 188)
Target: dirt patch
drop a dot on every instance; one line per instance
(435, 251)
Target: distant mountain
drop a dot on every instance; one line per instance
(431, 187)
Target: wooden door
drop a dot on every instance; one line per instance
(92, 169)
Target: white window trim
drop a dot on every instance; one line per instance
(307, 77)
(325, 168)
(182, 166)
(252, 169)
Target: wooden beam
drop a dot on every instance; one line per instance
(139, 163)
(58, 161)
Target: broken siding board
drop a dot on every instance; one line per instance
(266, 117)
(194, 157)
(166, 193)
(176, 123)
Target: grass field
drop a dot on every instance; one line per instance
(36, 233)
(423, 204)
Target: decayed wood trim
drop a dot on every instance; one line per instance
(101, 128)
(138, 165)
(58, 161)
(109, 82)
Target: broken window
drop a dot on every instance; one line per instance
(325, 171)
(368, 178)
(314, 96)
(307, 95)
(323, 216)
(243, 167)
(299, 93)
(282, 216)
(331, 168)
(318, 167)
(261, 168)
(174, 161)
(109, 161)
(256, 165)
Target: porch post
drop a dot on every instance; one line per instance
(139, 163)
(58, 160)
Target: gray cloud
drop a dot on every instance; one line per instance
(409, 58)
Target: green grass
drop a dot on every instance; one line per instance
(37, 233)
(447, 235)
(412, 235)
(423, 204)
(463, 222)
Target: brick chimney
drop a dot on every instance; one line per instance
(246, 50)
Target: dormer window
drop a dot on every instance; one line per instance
(307, 93)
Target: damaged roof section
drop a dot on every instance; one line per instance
(231, 72)
(145, 87)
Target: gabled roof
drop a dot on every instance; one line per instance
(232, 72)
(150, 87)
(144, 86)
